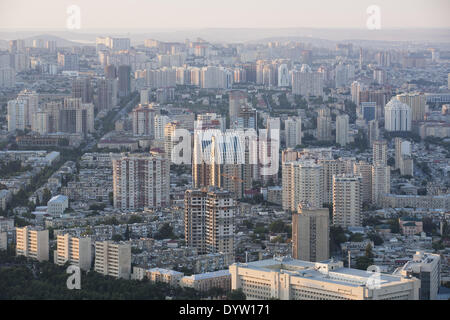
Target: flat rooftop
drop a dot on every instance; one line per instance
(327, 271)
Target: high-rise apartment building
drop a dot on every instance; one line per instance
(379, 149)
(237, 99)
(323, 127)
(143, 122)
(160, 123)
(209, 220)
(75, 250)
(302, 182)
(283, 75)
(124, 74)
(373, 131)
(381, 182)
(140, 180)
(347, 200)
(22, 110)
(369, 111)
(342, 127)
(293, 132)
(106, 93)
(310, 234)
(169, 138)
(306, 82)
(32, 243)
(81, 88)
(356, 93)
(364, 169)
(113, 259)
(417, 102)
(76, 117)
(403, 159)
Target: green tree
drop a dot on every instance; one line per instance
(394, 225)
(46, 196)
(117, 237)
(127, 233)
(165, 232)
(236, 295)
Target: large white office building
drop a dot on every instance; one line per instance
(290, 279)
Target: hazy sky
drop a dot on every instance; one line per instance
(176, 14)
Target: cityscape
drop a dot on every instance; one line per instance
(229, 160)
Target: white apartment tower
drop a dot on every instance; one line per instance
(293, 132)
(347, 200)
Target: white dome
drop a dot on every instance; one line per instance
(397, 104)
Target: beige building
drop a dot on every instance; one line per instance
(205, 281)
(379, 153)
(364, 169)
(302, 182)
(140, 180)
(113, 259)
(76, 251)
(32, 243)
(290, 279)
(417, 102)
(347, 200)
(310, 234)
(381, 182)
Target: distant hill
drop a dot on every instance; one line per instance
(60, 42)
